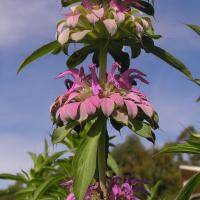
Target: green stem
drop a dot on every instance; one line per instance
(102, 63)
(102, 161)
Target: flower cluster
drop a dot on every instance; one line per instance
(116, 98)
(94, 22)
(118, 188)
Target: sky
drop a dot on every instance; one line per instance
(25, 98)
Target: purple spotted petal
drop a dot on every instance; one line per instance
(107, 106)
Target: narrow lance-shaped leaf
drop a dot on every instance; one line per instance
(60, 133)
(195, 28)
(191, 148)
(39, 53)
(189, 188)
(84, 163)
(45, 186)
(113, 164)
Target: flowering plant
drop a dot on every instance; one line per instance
(92, 100)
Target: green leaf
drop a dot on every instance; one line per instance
(190, 147)
(18, 177)
(79, 56)
(166, 56)
(195, 28)
(39, 53)
(68, 2)
(113, 164)
(45, 186)
(142, 129)
(120, 56)
(84, 163)
(154, 193)
(145, 7)
(60, 133)
(189, 188)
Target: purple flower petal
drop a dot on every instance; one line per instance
(79, 35)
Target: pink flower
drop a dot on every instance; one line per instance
(117, 98)
(117, 187)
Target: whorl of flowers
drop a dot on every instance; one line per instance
(117, 98)
(118, 188)
(96, 22)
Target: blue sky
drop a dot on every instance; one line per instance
(25, 99)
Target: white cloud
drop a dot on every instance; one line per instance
(21, 19)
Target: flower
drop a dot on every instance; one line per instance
(117, 187)
(85, 97)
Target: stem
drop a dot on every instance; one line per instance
(102, 161)
(102, 63)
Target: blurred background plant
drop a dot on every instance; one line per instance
(132, 157)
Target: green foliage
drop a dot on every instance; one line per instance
(84, 163)
(142, 129)
(80, 55)
(39, 53)
(191, 146)
(189, 188)
(44, 179)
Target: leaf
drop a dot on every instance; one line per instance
(66, 3)
(45, 186)
(39, 53)
(79, 56)
(189, 188)
(145, 7)
(195, 28)
(155, 191)
(149, 47)
(60, 133)
(118, 126)
(113, 164)
(121, 57)
(18, 177)
(84, 163)
(189, 147)
(142, 129)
